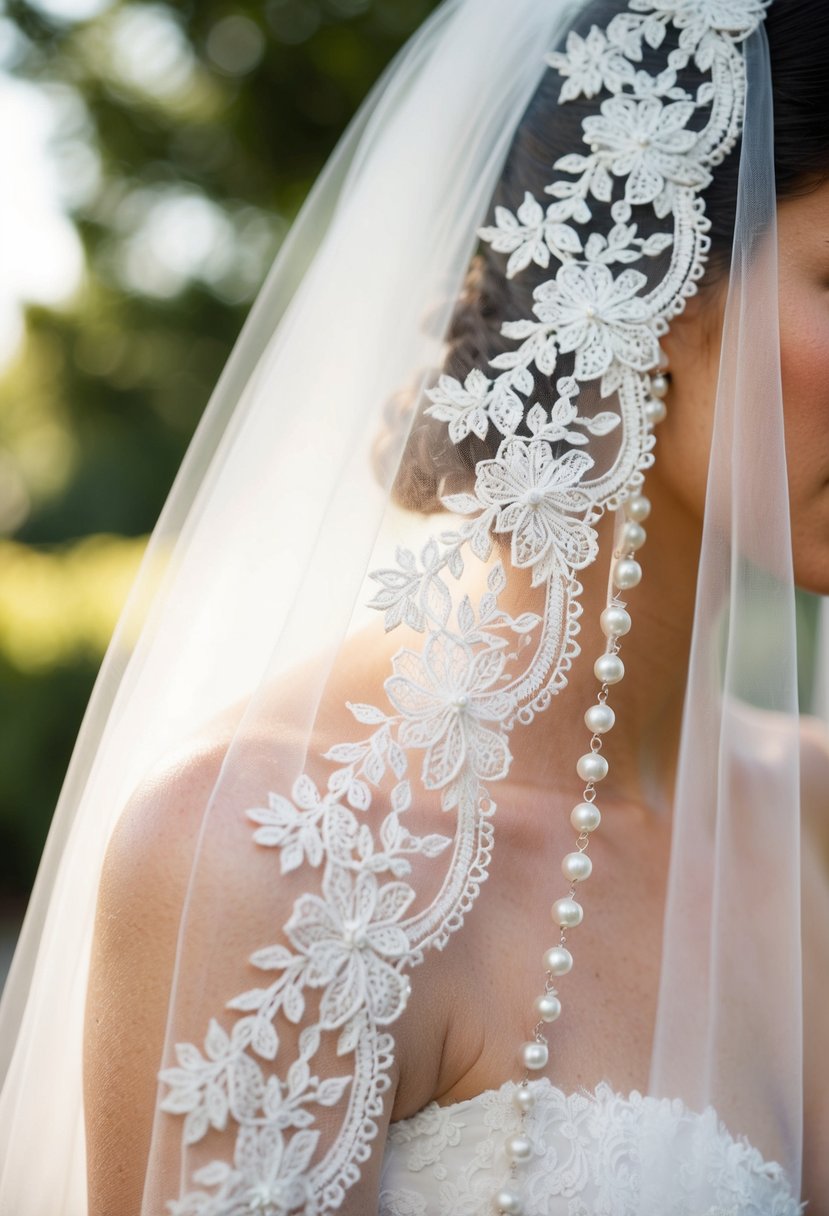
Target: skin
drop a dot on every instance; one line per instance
(494, 975)
(693, 348)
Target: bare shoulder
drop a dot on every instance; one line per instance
(153, 841)
(234, 901)
(141, 894)
(153, 844)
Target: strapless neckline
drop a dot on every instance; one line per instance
(595, 1153)
(508, 1087)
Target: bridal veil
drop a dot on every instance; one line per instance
(287, 546)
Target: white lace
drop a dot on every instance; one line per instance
(588, 1151)
(480, 670)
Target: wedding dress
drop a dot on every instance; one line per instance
(595, 1154)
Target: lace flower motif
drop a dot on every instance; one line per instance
(402, 1203)
(274, 1172)
(535, 496)
(598, 317)
(696, 18)
(354, 940)
(446, 696)
(589, 65)
(531, 235)
(464, 408)
(269, 1178)
(351, 938)
(647, 143)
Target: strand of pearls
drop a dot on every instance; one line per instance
(585, 817)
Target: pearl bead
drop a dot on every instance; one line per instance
(615, 621)
(609, 669)
(585, 817)
(535, 1055)
(655, 411)
(633, 535)
(660, 385)
(599, 719)
(592, 767)
(638, 507)
(577, 866)
(558, 960)
(524, 1098)
(354, 934)
(627, 573)
(567, 913)
(509, 1202)
(519, 1148)
(548, 1006)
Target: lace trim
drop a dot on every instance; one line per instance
(650, 144)
(597, 1153)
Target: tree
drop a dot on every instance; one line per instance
(188, 136)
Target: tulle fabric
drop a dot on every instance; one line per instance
(258, 567)
(734, 891)
(275, 505)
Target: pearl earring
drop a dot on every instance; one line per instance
(660, 383)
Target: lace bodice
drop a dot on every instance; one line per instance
(598, 1154)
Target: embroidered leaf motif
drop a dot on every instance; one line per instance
(272, 958)
(368, 714)
(443, 737)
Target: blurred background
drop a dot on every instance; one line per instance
(153, 156)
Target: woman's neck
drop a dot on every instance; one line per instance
(641, 748)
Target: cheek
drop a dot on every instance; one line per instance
(804, 356)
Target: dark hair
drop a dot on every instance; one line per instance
(798, 36)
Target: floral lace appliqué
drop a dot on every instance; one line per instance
(303, 1108)
(597, 1154)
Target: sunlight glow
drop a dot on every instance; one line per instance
(71, 10)
(149, 52)
(40, 251)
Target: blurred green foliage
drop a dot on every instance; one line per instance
(188, 136)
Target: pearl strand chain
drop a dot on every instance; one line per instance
(585, 817)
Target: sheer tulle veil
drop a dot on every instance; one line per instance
(261, 564)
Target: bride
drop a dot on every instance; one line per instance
(388, 691)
